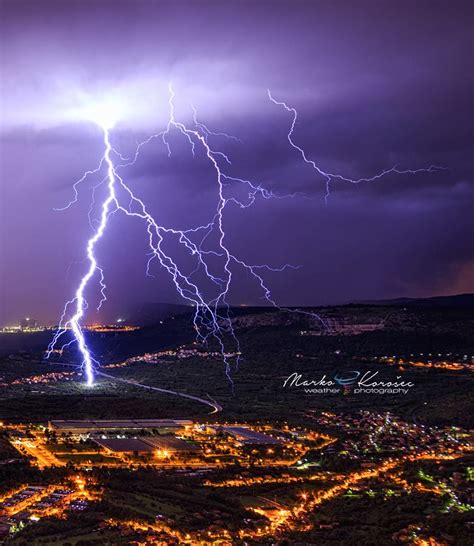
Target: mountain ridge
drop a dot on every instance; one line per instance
(457, 300)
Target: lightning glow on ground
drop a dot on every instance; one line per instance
(216, 264)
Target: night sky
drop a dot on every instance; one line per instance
(375, 84)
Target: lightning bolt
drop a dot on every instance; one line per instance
(329, 177)
(211, 315)
(74, 323)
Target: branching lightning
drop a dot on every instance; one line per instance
(329, 177)
(211, 311)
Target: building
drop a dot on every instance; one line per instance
(89, 426)
(22, 498)
(28, 323)
(247, 436)
(170, 444)
(166, 445)
(128, 445)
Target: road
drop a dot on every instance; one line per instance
(216, 407)
(42, 456)
(212, 403)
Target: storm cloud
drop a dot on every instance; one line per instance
(376, 84)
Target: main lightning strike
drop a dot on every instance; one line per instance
(211, 316)
(74, 323)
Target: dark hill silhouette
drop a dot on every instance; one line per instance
(458, 300)
(148, 314)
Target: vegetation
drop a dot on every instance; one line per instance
(372, 513)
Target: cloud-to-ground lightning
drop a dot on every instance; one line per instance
(79, 302)
(217, 264)
(211, 317)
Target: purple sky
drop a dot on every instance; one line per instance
(375, 84)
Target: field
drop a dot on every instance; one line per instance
(271, 353)
(416, 495)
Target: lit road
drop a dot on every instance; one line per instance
(216, 407)
(211, 403)
(42, 456)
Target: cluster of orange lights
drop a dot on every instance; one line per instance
(439, 365)
(111, 328)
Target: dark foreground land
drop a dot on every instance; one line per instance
(426, 495)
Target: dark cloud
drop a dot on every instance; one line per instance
(375, 84)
